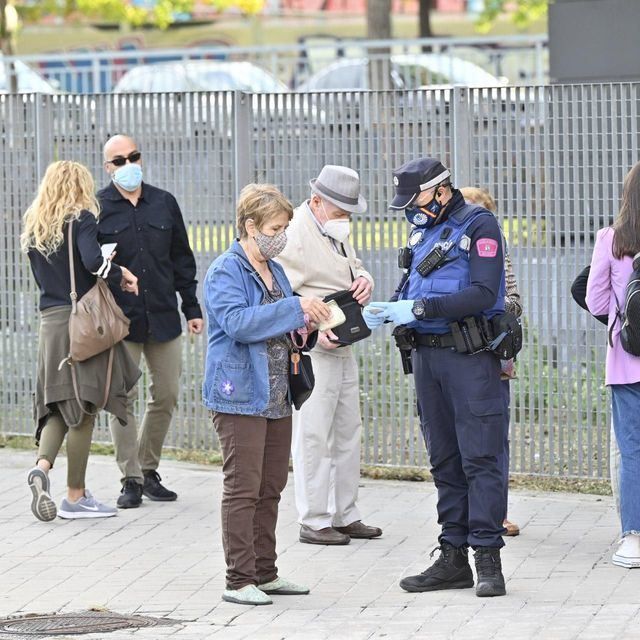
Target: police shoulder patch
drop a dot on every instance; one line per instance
(487, 247)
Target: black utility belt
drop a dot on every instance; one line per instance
(502, 334)
(433, 340)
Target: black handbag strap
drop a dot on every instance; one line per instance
(344, 253)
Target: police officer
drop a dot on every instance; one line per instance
(452, 287)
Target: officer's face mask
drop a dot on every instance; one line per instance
(129, 176)
(339, 229)
(426, 215)
(270, 246)
(420, 217)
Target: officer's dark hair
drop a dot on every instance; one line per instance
(445, 183)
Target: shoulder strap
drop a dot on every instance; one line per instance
(618, 318)
(343, 251)
(72, 272)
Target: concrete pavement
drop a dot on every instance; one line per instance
(167, 560)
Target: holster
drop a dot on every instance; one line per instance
(405, 342)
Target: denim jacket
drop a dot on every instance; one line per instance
(236, 378)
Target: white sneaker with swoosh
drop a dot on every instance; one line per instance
(86, 507)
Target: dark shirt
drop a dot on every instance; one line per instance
(485, 273)
(52, 274)
(153, 245)
(579, 293)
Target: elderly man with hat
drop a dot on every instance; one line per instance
(454, 285)
(319, 260)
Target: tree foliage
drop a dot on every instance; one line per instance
(525, 12)
(161, 14)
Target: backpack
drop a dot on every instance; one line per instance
(629, 316)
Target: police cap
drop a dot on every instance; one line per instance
(416, 176)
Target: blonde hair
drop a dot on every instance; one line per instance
(260, 203)
(66, 189)
(479, 196)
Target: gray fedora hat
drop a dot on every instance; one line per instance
(341, 186)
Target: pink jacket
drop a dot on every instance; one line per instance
(609, 275)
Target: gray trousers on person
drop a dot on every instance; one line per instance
(137, 452)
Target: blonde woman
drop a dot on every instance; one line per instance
(512, 304)
(251, 309)
(66, 194)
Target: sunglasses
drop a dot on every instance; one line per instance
(119, 161)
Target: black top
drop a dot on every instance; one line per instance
(153, 245)
(579, 293)
(52, 274)
(486, 274)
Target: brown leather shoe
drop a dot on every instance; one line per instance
(512, 528)
(358, 529)
(328, 535)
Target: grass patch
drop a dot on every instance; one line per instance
(375, 472)
(265, 30)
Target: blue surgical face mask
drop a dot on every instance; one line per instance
(129, 177)
(420, 217)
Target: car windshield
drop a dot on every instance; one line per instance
(427, 69)
(351, 75)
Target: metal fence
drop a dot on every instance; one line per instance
(553, 156)
(520, 59)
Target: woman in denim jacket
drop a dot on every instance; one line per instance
(611, 268)
(250, 310)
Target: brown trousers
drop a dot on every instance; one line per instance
(255, 455)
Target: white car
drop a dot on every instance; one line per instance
(29, 81)
(198, 75)
(404, 71)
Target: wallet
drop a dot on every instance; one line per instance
(337, 317)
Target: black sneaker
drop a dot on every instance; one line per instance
(489, 570)
(131, 494)
(450, 571)
(154, 490)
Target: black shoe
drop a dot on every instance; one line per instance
(154, 490)
(131, 494)
(489, 570)
(450, 571)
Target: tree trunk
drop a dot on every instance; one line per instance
(6, 48)
(379, 28)
(424, 22)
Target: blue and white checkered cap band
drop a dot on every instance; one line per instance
(434, 181)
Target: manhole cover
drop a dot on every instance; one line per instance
(33, 625)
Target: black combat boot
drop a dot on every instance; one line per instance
(450, 571)
(489, 570)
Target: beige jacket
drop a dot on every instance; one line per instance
(311, 261)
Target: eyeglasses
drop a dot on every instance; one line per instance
(119, 161)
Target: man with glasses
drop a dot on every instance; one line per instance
(151, 240)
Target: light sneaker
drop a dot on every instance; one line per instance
(247, 595)
(282, 587)
(87, 507)
(42, 506)
(628, 553)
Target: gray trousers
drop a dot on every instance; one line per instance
(137, 452)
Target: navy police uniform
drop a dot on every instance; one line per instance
(460, 402)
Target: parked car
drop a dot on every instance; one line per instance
(29, 80)
(188, 76)
(198, 75)
(404, 71)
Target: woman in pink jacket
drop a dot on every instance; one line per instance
(611, 267)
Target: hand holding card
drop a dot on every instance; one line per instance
(108, 249)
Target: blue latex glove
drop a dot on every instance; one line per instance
(399, 312)
(373, 320)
